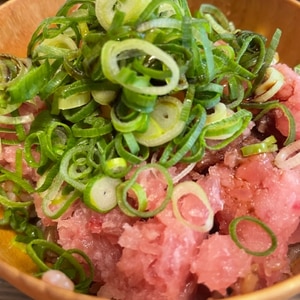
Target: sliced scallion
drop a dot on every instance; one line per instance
(100, 193)
(234, 235)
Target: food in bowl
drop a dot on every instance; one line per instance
(149, 154)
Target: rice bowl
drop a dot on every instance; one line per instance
(37, 289)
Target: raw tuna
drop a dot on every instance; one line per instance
(96, 234)
(220, 262)
(161, 258)
(255, 187)
(289, 94)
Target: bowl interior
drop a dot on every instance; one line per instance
(265, 17)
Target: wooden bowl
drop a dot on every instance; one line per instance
(18, 20)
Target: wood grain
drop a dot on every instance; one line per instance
(19, 19)
(265, 17)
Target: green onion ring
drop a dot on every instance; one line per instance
(233, 233)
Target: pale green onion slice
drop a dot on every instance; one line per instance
(220, 112)
(267, 145)
(105, 10)
(8, 108)
(289, 156)
(73, 101)
(184, 172)
(100, 193)
(135, 124)
(164, 123)
(192, 188)
(297, 69)
(55, 202)
(55, 47)
(104, 97)
(16, 120)
(272, 84)
(110, 56)
(159, 23)
(227, 127)
(233, 233)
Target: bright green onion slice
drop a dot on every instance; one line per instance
(100, 193)
(228, 128)
(216, 18)
(74, 101)
(14, 204)
(177, 149)
(137, 124)
(115, 167)
(128, 148)
(23, 89)
(267, 145)
(17, 180)
(65, 261)
(11, 68)
(234, 235)
(287, 113)
(75, 166)
(131, 184)
(92, 127)
(109, 59)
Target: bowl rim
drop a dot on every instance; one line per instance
(25, 282)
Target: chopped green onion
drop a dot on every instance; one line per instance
(100, 193)
(291, 121)
(112, 49)
(55, 200)
(272, 84)
(23, 89)
(131, 184)
(267, 145)
(228, 129)
(234, 235)
(164, 123)
(192, 188)
(38, 249)
(105, 10)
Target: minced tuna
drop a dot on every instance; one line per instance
(162, 258)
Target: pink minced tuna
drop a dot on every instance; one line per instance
(161, 258)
